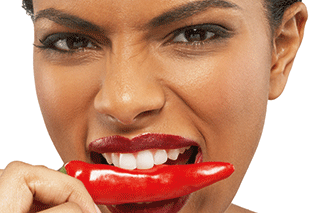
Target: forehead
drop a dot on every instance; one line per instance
(138, 12)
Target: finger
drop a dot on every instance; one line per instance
(1, 170)
(64, 208)
(20, 183)
(38, 206)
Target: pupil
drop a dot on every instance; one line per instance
(195, 35)
(76, 43)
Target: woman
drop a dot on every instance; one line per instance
(203, 70)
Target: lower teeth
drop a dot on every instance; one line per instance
(143, 202)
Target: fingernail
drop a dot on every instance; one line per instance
(97, 209)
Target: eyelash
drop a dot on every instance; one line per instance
(52, 42)
(215, 32)
(199, 32)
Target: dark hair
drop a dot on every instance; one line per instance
(275, 9)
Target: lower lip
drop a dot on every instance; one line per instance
(165, 206)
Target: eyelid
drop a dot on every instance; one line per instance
(199, 26)
(49, 41)
(221, 31)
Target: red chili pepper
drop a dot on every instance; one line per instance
(112, 185)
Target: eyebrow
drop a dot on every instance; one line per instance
(188, 10)
(67, 20)
(171, 16)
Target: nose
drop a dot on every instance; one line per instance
(129, 92)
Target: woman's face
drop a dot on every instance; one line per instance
(198, 69)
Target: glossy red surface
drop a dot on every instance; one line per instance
(112, 185)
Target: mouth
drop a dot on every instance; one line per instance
(144, 152)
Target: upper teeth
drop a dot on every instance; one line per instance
(145, 159)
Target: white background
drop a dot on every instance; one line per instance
(284, 175)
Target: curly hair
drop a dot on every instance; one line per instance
(275, 9)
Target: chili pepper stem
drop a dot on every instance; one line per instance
(63, 170)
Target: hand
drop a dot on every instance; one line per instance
(25, 188)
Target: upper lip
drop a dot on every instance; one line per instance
(145, 141)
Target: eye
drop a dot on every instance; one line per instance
(67, 42)
(193, 35)
(199, 33)
(73, 43)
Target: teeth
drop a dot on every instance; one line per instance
(173, 154)
(160, 157)
(145, 159)
(144, 202)
(127, 161)
(115, 159)
(182, 150)
(108, 157)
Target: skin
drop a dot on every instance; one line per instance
(139, 80)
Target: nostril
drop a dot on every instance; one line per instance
(140, 116)
(147, 113)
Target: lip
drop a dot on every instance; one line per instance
(141, 142)
(171, 206)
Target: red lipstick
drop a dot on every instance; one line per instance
(122, 144)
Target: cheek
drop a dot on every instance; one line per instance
(65, 94)
(239, 91)
(227, 94)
